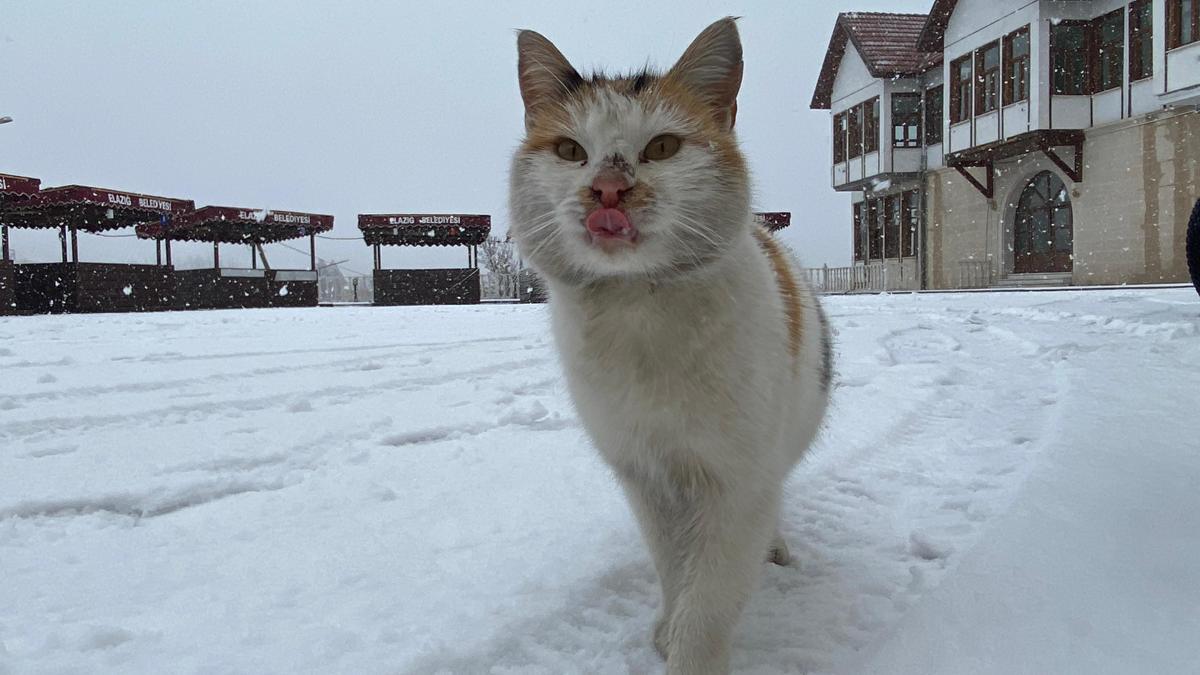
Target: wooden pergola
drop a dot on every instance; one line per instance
(14, 190)
(75, 286)
(222, 287)
(426, 286)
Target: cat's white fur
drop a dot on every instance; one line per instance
(680, 367)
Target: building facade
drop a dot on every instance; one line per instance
(1017, 142)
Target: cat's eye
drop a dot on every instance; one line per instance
(662, 147)
(570, 151)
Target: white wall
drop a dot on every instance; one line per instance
(973, 24)
(1183, 67)
(853, 83)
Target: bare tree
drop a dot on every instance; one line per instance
(500, 260)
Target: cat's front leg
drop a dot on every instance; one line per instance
(723, 554)
(660, 517)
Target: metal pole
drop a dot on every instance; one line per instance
(253, 257)
(74, 245)
(158, 252)
(62, 238)
(216, 255)
(4, 243)
(312, 251)
(168, 251)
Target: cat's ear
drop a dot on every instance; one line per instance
(712, 68)
(544, 73)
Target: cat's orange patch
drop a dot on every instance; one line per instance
(789, 290)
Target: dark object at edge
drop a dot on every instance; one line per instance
(1193, 246)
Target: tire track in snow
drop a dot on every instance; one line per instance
(196, 412)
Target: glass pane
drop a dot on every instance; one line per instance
(1040, 220)
(991, 57)
(1020, 45)
(1186, 13)
(1062, 229)
(1070, 59)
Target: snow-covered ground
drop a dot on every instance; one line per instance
(1008, 483)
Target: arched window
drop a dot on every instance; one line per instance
(1043, 234)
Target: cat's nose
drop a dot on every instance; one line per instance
(609, 187)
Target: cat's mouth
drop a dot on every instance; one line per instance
(610, 229)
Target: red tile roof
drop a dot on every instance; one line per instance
(935, 27)
(886, 42)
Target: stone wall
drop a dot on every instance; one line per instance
(1140, 180)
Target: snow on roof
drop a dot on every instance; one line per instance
(887, 43)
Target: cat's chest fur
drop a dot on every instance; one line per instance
(671, 366)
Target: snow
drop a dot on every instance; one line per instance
(1007, 484)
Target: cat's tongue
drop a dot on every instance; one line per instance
(610, 225)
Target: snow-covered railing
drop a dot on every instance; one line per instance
(868, 278)
(974, 274)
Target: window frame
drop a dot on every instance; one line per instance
(854, 144)
(1095, 62)
(910, 221)
(908, 121)
(874, 248)
(870, 117)
(839, 138)
(1141, 37)
(857, 211)
(1008, 90)
(893, 209)
(1085, 84)
(1175, 23)
(934, 132)
(987, 80)
(961, 89)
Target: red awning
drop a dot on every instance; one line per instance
(234, 225)
(424, 229)
(94, 209)
(18, 186)
(773, 220)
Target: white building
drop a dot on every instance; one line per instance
(1014, 142)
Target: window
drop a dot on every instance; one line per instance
(892, 209)
(871, 125)
(858, 231)
(1108, 58)
(1069, 48)
(906, 120)
(960, 89)
(1141, 40)
(874, 231)
(933, 115)
(908, 225)
(839, 138)
(1016, 66)
(987, 78)
(1183, 22)
(854, 131)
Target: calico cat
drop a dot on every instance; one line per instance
(698, 361)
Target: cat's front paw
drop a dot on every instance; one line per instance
(661, 635)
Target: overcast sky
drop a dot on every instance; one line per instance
(364, 107)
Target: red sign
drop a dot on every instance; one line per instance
(79, 194)
(312, 222)
(18, 185)
(432, 220)
(207, 214)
